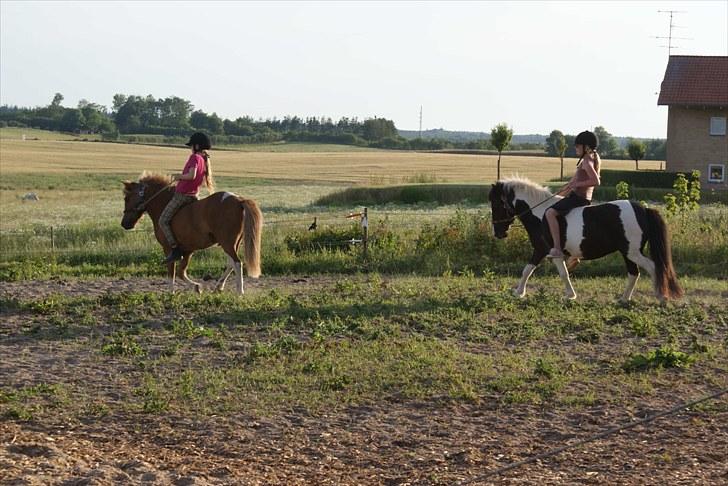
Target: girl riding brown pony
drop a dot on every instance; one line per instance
(222, 218)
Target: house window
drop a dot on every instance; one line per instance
(716, 172)
(717, 125)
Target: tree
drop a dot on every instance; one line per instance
(377, 129)
(607, 144)
(72, 120)
(551, 142)
(556, 145)
(500, 137)
(57, 98)
(636, 150)
(119, 101)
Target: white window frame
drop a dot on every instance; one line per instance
(710, 172)
(715, 125)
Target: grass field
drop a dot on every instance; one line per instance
(415, 365)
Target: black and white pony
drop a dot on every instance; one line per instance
(587, 233)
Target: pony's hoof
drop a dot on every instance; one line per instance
(198, 289)
(570, 297)
(518, 293)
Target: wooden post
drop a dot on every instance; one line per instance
(53, 242)
(365, 233)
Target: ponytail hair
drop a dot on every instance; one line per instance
(596, 158)
(209, 181)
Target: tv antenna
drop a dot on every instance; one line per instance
(670, 37)
(420, 135)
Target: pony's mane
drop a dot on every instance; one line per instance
(153, 178)
(527, 188)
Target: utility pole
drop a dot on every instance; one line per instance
(420, 135)
(670, 37)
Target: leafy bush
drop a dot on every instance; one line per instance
(622, 190)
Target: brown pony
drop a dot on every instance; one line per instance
(221, 218)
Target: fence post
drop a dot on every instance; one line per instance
(53, 242)
(365, 233)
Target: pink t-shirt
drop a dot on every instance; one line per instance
(192, 187)
(583, 175)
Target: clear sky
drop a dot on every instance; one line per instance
(537, 66)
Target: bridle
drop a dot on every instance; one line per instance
(142, 206)
(512, 210)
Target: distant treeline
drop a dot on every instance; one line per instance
(170, 120)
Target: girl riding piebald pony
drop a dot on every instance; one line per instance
(581, 187)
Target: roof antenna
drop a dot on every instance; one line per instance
(670, 37)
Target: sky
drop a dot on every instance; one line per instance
(536, 66)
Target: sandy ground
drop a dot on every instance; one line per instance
(388, 443)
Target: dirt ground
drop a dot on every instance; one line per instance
(388, 443)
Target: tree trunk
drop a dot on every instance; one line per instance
(561, 174)
(498, 176)
(636, 164)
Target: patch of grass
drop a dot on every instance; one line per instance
(122, 344)
(662, 357)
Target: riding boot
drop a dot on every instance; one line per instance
(174, 255)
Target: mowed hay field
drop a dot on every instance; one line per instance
(415, 365)
(340, 167)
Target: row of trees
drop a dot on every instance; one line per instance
(176, 117)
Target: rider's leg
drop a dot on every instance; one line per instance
(551, 219)
(165, 223)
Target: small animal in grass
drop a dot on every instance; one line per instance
(313, 225)
(31, 196)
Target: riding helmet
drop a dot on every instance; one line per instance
(587, 138)
(201, 140)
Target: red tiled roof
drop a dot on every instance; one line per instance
(695, 80)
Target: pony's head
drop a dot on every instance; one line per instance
(134, 194)
(138, 194)
(515, 197)
(501, 204)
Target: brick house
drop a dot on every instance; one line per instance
(695, 89)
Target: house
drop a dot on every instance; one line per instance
(695, 89)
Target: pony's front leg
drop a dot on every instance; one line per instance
(569, 293)
(171, 274)
(520, 290)
(183, 273)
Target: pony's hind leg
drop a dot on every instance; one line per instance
(237, 266)
(648, 265)
(183, 273)
(220, 286)
(633, 274)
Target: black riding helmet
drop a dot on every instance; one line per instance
(201, 140)
(587, 138)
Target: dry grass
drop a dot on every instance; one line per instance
(378, 167)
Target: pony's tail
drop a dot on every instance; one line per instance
(659, 238)
(252, 228)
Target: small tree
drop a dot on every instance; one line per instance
(500, 137)
(561, 149)
(636, 150)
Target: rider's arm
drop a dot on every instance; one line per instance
(188, 176)
(593, 180)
